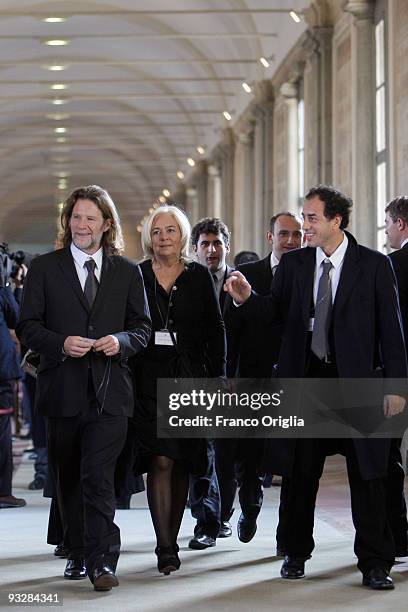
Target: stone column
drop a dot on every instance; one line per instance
(199, 183)
(262, 111)
(363, 120)
(244, 190)
(213, 191)
(223, 157)
(289, 93)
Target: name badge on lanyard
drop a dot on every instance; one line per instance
(163, 338)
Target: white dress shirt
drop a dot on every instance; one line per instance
(274, 263)
(337, 259)
(80, 258)
(404, 243)
(219, 274)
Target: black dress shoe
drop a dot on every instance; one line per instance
(225, 530)
(61, 551)
(104, 578)
(167, 559)
(378, 579)
(293, 568)
(75, 569)
(246, 528)
(37, 484)
(201, 541)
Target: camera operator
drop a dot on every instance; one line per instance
(9, 373)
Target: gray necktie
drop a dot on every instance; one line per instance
(323, 310)
(91, 283)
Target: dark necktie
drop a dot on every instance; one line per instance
(323, 310)
(91, 283)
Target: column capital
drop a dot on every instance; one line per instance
(319, 14)
(288, 90)
(360, 9)
(263, 91)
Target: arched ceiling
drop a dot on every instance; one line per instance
(146, 83)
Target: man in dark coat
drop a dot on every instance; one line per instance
(338, 304)
(9, 373)
(84, 310)
(396, 228)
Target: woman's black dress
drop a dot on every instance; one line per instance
(194, 315)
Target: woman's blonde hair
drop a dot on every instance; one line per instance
(182, 221)
(112, 239)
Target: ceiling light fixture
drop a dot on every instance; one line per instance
(180, 174)
(61, 140)
(227, 115)
(54, 19)
(56, 42)
(58, 101)
(56, 67)
(162, 199)
(264, 62)
(166, 193)
(246, 87)
(191, 162)
(295, 17)
(200, 149)
(58, 116)
(58, 86)
(60, 130)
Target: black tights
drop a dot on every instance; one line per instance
(167, 489)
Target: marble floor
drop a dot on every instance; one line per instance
(229, 577)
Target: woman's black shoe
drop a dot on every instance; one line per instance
(167, 559)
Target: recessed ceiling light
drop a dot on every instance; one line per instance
(162, 199)
(56, 42)
(180, 174)
(200, 149)
(227, 115)
(246, 87)
(295, 17)
(59, 101)
(58, 86)
(58, 116)
(60, 130)
(61, 174)
(61, 140)
(54, 19)
(56, 67)
(60, 206)
(264, 62)
(190, 161)
(166, 193)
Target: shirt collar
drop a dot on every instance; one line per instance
(337, 257)
(80, 257)
(220, 273)
(274, 261)
(404, 243)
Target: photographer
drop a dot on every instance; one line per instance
(9, 373)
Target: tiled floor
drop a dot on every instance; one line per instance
(232, 576)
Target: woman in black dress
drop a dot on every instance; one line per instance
(182, 299)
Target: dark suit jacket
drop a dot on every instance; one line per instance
(254, 343)
(366, 330)
(9, 362)
(54, 307)
(399, 260)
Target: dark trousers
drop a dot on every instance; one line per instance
(83, 451)
(373, 545)
(204, 496)
(396, 506)
(236, 463)
(6, 450)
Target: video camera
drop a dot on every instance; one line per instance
(10, 264)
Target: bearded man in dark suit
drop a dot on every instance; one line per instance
(84, 310)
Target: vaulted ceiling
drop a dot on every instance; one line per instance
(128, 98)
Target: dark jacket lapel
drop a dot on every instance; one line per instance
(107, 276)
(305, 280)
(350, 273)
(67, 265)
